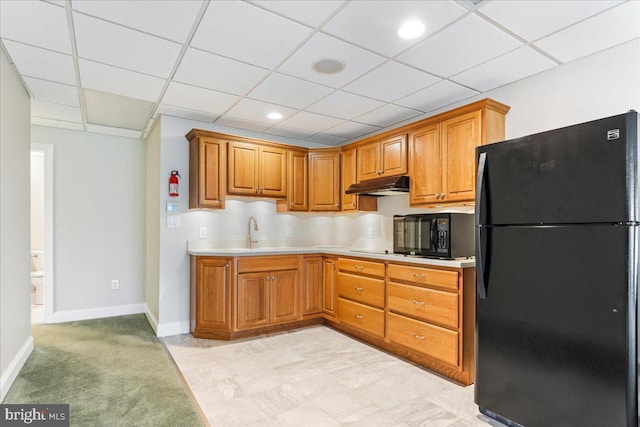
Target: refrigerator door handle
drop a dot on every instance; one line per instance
(482, 288)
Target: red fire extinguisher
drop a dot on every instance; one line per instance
(173, 184)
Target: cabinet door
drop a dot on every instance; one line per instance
(284, 296)
(207, 172)
(324, 181)
(460, 137)
(253, 300)
(349, 176)
(297, 188)
(425, 166)
(272, 169)
(393, 155)
(213, 293)
(312, 286)
(329, 284)
(243, 168)
(368, 161)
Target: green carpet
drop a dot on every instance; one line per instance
(112, 372)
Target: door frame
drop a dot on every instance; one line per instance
(49, 283)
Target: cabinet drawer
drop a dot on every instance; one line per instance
(427, 304)
(425, 276)
(361, 267)
(361, 289)
(431, 340)
(267, 263)
(360, 316)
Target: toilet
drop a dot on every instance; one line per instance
(37, 277)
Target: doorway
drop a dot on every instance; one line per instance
(42, 276)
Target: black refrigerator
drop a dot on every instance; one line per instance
(557, 276)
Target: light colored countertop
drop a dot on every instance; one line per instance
(331, 250)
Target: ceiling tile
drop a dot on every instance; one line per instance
(47, 110)
(351, 130)
(375, 24)
(127, 133)
(167, 18)
(344, 105)
(185, 113)
(106, 78)
(323, 138)
(117, 111)
(115, 45)
(358, 61)
(387, 115)
(57, 93)
(289, 133)
(241, 31)
(391, 81)
(241, 123)
(36, 23)
(42, 63)
(310, 121)
(56, 123)
(290, 91)
(209, 101)
(310, 12)
(436, 96)
(197, 68)
(532, 19)
(257, 111)
(512, 66)
(465, 44)
(608, 29)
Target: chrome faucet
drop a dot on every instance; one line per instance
(255, 228)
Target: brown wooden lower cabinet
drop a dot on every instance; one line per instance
(425, 314)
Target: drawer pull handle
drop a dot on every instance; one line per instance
(419, 276)
(418, 337)
(418, 303)
(358, 290)
(358, 267)
(358, 316)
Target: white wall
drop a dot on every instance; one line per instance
(37, 200)
(15, 281)
(99, 223)
(596, 86)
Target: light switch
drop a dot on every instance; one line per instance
(173, 221)
(203, 232)
(370, 232)
(289, 232)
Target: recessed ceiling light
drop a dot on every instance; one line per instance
(411, 29)
(274, 116)
(328, 66)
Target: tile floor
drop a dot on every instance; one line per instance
(316, 377)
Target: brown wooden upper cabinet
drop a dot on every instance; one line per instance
(349, 177)
(256, 170)
(207, 171)
(442, 153)
(324, 180)
(297, 187)
(386, 157)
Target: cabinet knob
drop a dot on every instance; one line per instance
(359, 317)
(419, 276)
(267, 278)
(442, 196)
(273, 277)
(418, 337)
(437, 195)
(358, 267)
(358, 290)
(418, 303)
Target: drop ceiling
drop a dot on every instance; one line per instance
(115, 66)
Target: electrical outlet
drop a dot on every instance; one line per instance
(289, 232)
(173, 221)
(115, 284)
(203, 232)
(370, 232)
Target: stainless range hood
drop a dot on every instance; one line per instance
(389, 186)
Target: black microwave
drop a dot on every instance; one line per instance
(440, 235)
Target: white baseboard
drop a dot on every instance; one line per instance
(10, 375)
(97, 313)
(175, 328)
(151, 319)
